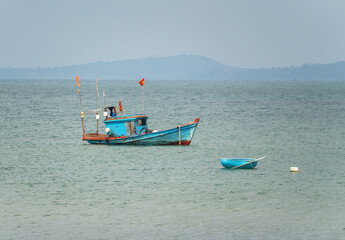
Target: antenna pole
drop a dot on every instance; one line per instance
(81, 106)
(105, 101)
(143, 100)
(97, 115)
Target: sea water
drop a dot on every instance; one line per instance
(55, 186)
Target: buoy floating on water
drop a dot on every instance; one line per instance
(293, 169)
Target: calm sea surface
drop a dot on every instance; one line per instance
(55, 186)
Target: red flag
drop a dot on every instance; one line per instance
(77, 77)
(120, 106)
(141, 82)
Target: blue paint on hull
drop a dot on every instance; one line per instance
(239, 163)
(172, 136)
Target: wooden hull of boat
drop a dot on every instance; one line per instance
(175, 136)
(239, 163)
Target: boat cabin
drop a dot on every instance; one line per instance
(126, 125)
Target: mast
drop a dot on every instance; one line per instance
(142, 83)
(105, 101)
(143, 100)
(97, 115)
(81, 106)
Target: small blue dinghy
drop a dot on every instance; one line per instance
(240, 163)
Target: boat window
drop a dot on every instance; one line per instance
(130, 128)
(141, 122)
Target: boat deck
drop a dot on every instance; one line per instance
(99, 136)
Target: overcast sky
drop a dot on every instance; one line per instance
(243, 33)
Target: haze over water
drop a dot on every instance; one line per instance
(54, 186)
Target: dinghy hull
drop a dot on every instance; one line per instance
(239, 163)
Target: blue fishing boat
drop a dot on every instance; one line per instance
(133, 129)
(240, 163)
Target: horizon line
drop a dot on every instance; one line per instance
(152, 57)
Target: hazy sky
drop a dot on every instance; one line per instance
(243, 33)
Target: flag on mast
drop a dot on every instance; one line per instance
(120, 107)
(77, 77)
(141, 82)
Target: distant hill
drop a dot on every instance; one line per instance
(182, 67)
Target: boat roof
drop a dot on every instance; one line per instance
(122, 117)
